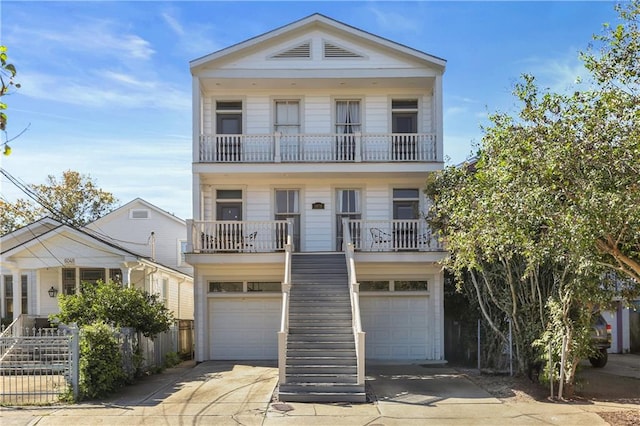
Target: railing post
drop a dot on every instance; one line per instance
(277, 139)
(75, 361)
(358, 147)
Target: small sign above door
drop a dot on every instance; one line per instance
(317, 206)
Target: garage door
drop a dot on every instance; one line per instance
(244, 328)
(396, 327)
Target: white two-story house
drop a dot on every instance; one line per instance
(311, 147)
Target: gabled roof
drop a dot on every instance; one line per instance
(146, 204)
(79, 236)
(318, 20)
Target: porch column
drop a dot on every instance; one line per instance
(196, 124)
(17, 293)
(437, 117)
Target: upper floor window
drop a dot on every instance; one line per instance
(287, 120)
(229, 117)
(406, 203)
(348, 117)
(404, 116)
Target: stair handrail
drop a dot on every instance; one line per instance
(284, 319)
(354, 293)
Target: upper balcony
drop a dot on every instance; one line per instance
(319, 148)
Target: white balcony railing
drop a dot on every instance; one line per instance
(318, 148)
(238, 236)
(271, 236)
(393, 235)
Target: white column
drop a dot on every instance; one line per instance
(196, 111)
(201, 315)
(437, 116)
(17, 294)
(438, 304)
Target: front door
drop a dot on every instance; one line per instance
(229, 211)
(347, 206)
(288, 207)
(229, 236)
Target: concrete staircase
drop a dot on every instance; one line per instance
(321, 357)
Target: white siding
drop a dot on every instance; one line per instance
(377, 201)
(316, 234)
(258, 203)
(258, 118)
(377, 117)
(426, 111)
(317, 114)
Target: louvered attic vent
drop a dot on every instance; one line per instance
(301, 51)
(333, 51)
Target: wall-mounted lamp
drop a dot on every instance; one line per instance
(53, 292)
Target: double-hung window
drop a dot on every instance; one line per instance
(348, 122)
(287, 123)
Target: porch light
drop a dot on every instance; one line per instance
(53, 292)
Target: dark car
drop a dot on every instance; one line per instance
(601, 340)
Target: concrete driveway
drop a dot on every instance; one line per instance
(220, 393)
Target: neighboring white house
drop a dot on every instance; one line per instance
(316, 122)
(148, 230)
(47, 257)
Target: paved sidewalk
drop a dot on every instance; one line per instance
(220, 393)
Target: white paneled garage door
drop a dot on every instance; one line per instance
(244, 328)
(396, 327)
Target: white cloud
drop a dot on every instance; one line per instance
(101, 38)
(390, 20)
(559, 74)
(173, 23)
(125, 91)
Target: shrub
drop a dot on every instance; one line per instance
(100, 361)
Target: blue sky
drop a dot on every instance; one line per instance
(106, 88)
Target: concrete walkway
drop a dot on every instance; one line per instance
(218, 393)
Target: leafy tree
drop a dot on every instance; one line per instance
(74, 199)
(552, 203)
(7, 76)
(115, 305)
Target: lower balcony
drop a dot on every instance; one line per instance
(319, 148)
(271, 236)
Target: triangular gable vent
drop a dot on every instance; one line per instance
(301, 51)
(333, 51)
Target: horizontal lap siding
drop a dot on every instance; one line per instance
(376, 111)
(258, 110)
(377, 202)
(317, 227)
(258, 203)
(317, 114)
